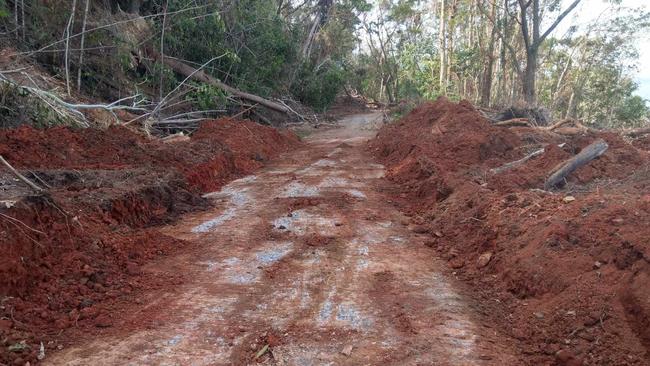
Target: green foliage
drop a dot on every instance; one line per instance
(207, 97)
(632, 110)
(318, 88)
(4, 12)
(249, 36)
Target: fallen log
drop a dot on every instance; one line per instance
(589, 153)
(514, 164)
(637, 132)
(201, 76)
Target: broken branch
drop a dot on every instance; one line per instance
(31, 184)
(514, 164)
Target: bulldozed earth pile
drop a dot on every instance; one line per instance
(73, 256)
(564, 272)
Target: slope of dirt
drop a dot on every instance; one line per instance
(567, 278)
(74, 256)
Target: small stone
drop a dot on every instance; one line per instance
(618, 221)
(132, 269)
(98, 287)
(62, 323)
(103, 321)
(438, 234)
(539, 315)
(568, 199)
(456, 263)
(484, 260)
(597, 265)
(566, 357)
(347, 350)
(419, 229)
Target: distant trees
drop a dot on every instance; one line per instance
(501, 52)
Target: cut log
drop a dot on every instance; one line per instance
(201, 76)
(514, 164)
(589, 153)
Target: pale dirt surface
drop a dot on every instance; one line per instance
(310, 258)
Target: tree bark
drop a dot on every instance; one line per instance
(486, 88)
(530, 75)
(589, 153)
(443, 48)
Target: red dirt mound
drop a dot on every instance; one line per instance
(71, 257)
(570, 275)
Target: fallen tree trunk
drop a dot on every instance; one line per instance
(637, 132)
(200, 75)
(589, 153)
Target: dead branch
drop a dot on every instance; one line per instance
(594, 150)
(514, 164)
(559, 123)
(521, 122)
(31, 184)
(243, 111)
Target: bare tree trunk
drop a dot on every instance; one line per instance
(162, 49)
(486, 88)
(443, 48)
(530, 75)
(68, 30)
(306, 48)
(81, 45)
(22, 17)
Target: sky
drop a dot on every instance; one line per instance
(590, 10)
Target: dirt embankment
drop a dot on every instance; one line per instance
(567, 277)
(71, 259)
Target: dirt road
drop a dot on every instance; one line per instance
(308, 258)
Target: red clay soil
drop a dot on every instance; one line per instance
(569, 277)
(73, 256)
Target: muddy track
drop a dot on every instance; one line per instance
(310, 259)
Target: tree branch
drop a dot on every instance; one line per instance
(557, 21)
